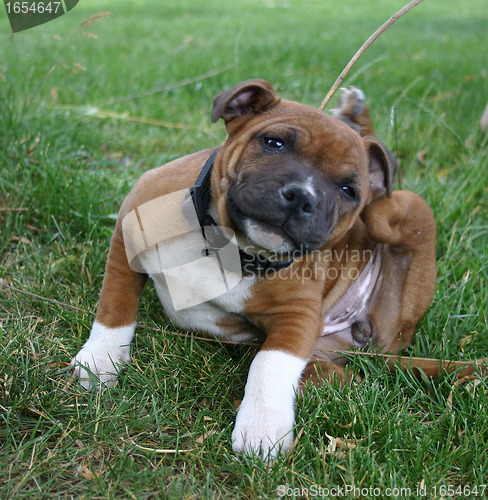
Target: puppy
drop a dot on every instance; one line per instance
(289, 232)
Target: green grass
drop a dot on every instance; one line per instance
(164, 430)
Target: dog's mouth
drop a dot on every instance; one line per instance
(261, 234)
(267, 236)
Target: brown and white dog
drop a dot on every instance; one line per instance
(328, 257)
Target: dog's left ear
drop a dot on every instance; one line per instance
(247, 98)
(382, 167)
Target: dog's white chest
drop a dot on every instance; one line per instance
(198, 279)
(206, 316)
(197, 291)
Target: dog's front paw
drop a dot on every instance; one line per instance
(262, 431)
(264, 423)
(103, 356)
(95, 366)
(352, 108)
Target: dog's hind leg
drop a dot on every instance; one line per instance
(318, 372)
(354, 111)
(405, 224)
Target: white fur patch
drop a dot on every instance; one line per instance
(357, 93)
(310, 187)
(102, 357)
(204, 317)
(264, 422)
(163, 236)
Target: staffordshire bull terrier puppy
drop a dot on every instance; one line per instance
(289, 232)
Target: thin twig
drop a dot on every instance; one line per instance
(431, 365)
(167, 88)
(54, 65)
(94, 112)
(165, 451)
(40, 297)
(363, 49)
(139, 325)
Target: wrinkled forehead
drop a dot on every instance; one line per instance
(307, 129)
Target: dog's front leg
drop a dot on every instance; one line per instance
(107, 349)
(265, 418)
(264, 423)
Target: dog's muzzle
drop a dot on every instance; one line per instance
(289, 219)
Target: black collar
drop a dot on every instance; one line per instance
(201, 196)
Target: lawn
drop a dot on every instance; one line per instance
(86, 107)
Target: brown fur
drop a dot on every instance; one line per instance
(290, 310)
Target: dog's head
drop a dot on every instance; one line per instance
(290, 177)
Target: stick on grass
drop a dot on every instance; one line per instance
(431, 367)
(365, 46)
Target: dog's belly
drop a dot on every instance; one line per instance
(219, 317)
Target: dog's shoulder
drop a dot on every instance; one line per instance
(173, 176)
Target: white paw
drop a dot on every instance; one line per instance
(103, 356)
(264, 423)
(351, 101)
(261, 431)
(97, 366)
(351, 104)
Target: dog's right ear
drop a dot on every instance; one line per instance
(382, 167)
(248, 98)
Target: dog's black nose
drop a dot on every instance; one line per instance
(298, 199)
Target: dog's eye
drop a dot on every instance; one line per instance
(349, 192)
(273, 144)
